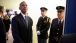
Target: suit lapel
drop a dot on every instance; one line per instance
(56, 22)
(22, 19)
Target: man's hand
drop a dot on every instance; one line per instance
(38, 33)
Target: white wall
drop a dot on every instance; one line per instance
(34, 9)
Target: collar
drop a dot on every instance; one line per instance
(23, 15)
(43, 17)
(61, 20)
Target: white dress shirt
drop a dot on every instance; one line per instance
(23, 15)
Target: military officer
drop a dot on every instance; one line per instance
(57, 25)
(43, 26)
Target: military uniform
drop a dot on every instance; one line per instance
(43, 26)
(56, 27)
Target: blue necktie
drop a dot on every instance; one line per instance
(26, 20)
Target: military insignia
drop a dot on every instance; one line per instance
(49, 20)
(45, 21)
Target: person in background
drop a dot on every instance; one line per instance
(7, 11)
(43, 26)
(2, 26)
(56, 29)
(16, 13)
(6, 21)
(22, 25)
(11, 16)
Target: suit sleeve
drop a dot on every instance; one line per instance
(31, 32)
(47, 26)
(15, 31)
(2, 32)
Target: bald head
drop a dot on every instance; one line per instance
(23, 7)
(22, 3)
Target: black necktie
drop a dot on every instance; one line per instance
(60, 22)
(26, 20)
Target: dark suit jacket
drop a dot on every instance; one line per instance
(68, 38)
(2, 32)
(55, 30)
(20, 33)
(43, 26)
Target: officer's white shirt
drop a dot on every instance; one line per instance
(43, 17)
(61, 20)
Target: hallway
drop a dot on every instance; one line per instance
(10, 39)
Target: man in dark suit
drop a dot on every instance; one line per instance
(57, 25)
(43, 26)
(68, 38)
(22, 25)
(2, 27)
